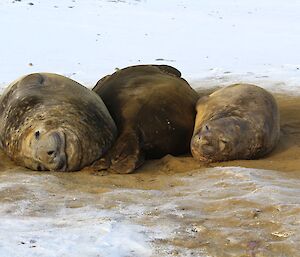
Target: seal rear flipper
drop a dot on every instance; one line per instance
(99, 167)
(127, 155)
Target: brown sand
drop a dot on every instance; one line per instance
(217, 213)
(285, 157)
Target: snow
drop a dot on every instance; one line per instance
(73, 236)
(50, 222)
(42, 218)
(86, 40)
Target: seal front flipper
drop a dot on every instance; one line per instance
(126, 155)
(102, 164)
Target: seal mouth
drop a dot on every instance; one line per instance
(62, 165)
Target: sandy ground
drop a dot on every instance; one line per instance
(184, 208)
(155, 174)
(285, 157)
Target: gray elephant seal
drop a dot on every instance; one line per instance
(50, 122)
(240, 121)
(154, 110)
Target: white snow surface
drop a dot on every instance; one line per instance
(56, 222)
(217, 41)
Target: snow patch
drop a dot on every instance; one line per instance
(86, 40)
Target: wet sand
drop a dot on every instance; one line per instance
(185, 207)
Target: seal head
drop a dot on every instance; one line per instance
(57, 150)
(50, 150)
(240, 121)
(219, 139)
(50, 122)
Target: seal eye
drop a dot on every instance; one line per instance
(37, 135)
(50, 152)
(205, 128)
(39, 168)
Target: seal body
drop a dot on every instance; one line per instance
(240, 121)
(50, 122)
(154, 110)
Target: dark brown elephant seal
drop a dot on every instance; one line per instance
(240, 121)
(154, 110)
(50, 122)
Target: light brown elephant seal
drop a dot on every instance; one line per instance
(154, 110)
(50, 122)
(240, 121)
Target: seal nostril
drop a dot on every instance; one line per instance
(50, 152)
(206, 127)
(39, 168)
(37, 135)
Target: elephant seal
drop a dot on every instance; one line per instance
(154, 110)
(240, 121)
(50, 122)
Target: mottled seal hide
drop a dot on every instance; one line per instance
(240, 121)
(50, 122)
(154, 110)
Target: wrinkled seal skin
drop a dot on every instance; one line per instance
(154, 110)
(240, 121)
(50, 122)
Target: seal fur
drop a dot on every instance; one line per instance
(50, 122)
(154, 110)
(240, 121)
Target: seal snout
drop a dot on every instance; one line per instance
(50, 150)
(202, 145)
